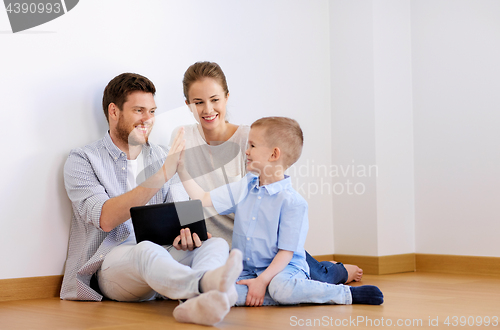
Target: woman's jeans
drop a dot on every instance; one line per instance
(292, 286)
(326, 271)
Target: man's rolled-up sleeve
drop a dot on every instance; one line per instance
(84, 189)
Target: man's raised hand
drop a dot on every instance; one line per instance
(172, 161)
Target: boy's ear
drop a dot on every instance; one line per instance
(275, 155)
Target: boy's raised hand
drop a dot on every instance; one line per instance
(256, 291)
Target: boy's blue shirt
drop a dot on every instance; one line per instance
(267, 218)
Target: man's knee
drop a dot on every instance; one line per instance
(146, 249)
(217, 243)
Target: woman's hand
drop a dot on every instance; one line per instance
(174, 154)
(181, 162)
(256, 291)
(187, 242)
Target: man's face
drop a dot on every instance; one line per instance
(136, 118)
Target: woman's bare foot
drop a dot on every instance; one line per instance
(354, 273)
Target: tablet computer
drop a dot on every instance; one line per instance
(161, 223)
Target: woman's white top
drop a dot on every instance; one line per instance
(215, 165)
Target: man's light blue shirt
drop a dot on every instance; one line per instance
(267, 219)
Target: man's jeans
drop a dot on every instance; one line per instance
(137, 272)
(292, 286)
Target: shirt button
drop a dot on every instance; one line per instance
(248, 259)
(123, 168)
(253, 218)
(116, 158)
(101, 256)
(259, 197)
(248, 238)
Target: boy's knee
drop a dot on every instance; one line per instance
(281, 291)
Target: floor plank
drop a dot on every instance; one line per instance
(414, 298)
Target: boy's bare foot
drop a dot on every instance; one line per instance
(354, 273)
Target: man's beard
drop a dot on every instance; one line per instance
(125, 134)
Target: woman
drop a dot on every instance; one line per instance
(215, 156)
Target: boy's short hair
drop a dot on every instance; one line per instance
(284, 133)
(121, 86)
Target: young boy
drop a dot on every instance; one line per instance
(271, 224)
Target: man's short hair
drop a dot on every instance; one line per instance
(284, 133)
(121, 86)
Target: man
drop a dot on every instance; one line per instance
(103, 257)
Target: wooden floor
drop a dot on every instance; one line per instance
(412, 300)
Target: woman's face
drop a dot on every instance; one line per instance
(207, 101)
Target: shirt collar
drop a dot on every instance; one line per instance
(272, 188)
(116, 153)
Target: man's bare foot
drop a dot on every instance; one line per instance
(354, 273)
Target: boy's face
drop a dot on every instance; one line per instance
(258, 152)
